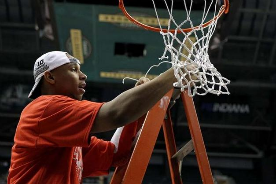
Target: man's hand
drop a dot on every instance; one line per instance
(193, 70)
(142, 80)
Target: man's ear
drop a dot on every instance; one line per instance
(48, 76)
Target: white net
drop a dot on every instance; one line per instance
(183, 48)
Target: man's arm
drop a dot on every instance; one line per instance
(133, 103)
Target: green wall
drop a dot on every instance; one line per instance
(99, 38)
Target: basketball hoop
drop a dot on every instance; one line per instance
(186, 44)
(224, 9)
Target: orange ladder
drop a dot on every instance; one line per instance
(159, 115)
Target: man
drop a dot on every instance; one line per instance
(53, 140)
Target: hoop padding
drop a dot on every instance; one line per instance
(185, 47)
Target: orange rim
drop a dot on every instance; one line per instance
(224, 9)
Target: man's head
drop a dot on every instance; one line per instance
(58, 73)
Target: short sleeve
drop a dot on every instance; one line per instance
(97, 158)
(66, 122)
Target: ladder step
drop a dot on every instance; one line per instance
(184, 151)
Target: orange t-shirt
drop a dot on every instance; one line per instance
(52, 143)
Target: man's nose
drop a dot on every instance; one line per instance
(83, 76)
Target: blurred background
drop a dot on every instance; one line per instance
(238, 129)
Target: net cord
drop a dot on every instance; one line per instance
(204, 78)
(208, 77)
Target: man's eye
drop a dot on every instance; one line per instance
(74, 69)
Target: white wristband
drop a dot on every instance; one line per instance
(116, 138)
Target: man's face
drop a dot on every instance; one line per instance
(69, 80)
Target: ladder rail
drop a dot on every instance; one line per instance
(134, 171)
(199, 146)
(171, 149)
(136, 168)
